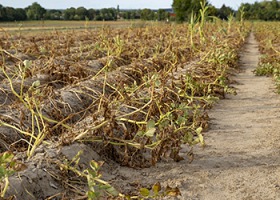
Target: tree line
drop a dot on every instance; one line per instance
(37, 12)
(265, 10)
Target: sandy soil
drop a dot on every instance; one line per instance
(242, 156)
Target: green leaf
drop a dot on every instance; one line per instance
(36, 84)
(92, 195)
(181, 120)
(150, 128)
(150, 132)
(76, 158)
(92, 173)
(140, 133)
(112, 191)
(157, 83)
(144, 192)
(27, 63)
(6, 157)
(94, 165)
(3, 172)
(151, 124)
(188, 138)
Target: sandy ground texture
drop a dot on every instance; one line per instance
(242, 156)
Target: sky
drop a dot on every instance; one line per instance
(124, 4)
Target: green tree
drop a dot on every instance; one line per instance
(184, 8)
(98, 16)
(245, 8)
(264, 10)
(181, 9)
(224, 12)
(136, 14)
(147, 14)
(118, 11)
(81, 13)
(69, 13)
(108, 14)
(126, 15)
(274, 5)
(162, 15)
(131, 14)
(20, 14)
(12, 14)
(91, 14)
(2, 13)
(212, 11)
(53, 14)
(35, 11)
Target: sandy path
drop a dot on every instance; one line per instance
(242, 157)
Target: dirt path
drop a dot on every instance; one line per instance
(242, 157)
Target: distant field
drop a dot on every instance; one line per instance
(64, 25)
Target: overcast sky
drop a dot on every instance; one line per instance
(124, 4)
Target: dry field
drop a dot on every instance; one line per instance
(77, 104)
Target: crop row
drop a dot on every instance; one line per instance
(268, 35)
(133, 95)
(138, 94)
(64, 61)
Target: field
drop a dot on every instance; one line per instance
(78, 102)
(29, 27)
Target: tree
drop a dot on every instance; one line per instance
(91, 14)
(20, 14)
(69, 13)
(162, 15)
(53, 15)
(35, 12)
(12, 14)
(127, 15)
(136, 14)
(98, 16)
(1, 12)
(147, 14)
(244, 10)
(81, 13)
(106, 14)
(265, 10)
(181, 9)
(118, 11)
(184, 8)
(9, 14)
(212, 11)
(224, 12)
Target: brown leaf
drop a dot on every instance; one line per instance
(156, 188)
(173, 192)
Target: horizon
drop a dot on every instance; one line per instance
(124, 4)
